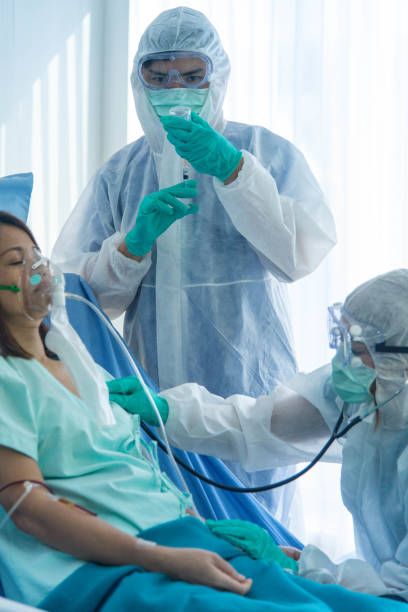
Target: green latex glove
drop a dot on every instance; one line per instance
(252, 539)
(128, 393)
(208, 151)
(157, 212)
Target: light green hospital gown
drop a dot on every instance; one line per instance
(104, 469)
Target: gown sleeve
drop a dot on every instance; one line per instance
(278, 429)
(291, 228)
(113, 277)
(357, 574)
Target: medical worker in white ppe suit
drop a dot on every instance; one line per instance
(369, 374)
(208, 301)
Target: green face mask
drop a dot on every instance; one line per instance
(352, 383)
(163, 100)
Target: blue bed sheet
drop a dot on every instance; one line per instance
(109, 589)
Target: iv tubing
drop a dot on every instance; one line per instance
(29, 486)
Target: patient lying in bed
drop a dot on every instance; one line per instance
(125, 540)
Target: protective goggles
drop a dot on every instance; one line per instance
(344, 332)
(159, 70)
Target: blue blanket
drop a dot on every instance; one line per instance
(128, 588)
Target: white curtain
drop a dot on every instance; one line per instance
(329, 75)
(63, 98)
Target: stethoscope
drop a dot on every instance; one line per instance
(337, 433)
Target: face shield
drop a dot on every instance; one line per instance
(185, 69)
(345, 333)
(346, 336)
(380, 304)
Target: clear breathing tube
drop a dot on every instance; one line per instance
(145, 388)
(29, 486)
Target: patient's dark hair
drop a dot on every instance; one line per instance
(9, 347)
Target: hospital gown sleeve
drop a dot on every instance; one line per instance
(274, 430)
(18, 422)
(291, 230)
(113, 277)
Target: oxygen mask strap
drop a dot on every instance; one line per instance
(12, 288)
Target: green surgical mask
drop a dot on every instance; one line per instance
(352, 383)
(163, 100)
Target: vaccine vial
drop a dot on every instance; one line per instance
(185, 113)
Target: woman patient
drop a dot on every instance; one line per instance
(124, 540)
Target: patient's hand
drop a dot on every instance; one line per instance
(199, 566)
(191, 512)
(291, 552)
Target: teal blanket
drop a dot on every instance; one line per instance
(100, 588)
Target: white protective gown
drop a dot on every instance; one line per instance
(374, 455)
(209, 304)
(374, 478)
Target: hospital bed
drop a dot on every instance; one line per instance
(210, 502)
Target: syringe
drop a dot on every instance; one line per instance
(185, 113)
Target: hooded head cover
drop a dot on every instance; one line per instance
(181, 29)
(382, 303)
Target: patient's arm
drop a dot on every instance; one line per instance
(282, 428)
(77, 533)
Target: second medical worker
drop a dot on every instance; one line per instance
(207, 300)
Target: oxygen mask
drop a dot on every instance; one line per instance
(37, 284)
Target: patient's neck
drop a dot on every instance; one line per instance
(28, 337)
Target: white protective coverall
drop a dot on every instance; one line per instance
(292, 423)
(209, 303)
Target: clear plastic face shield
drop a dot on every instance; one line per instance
(346, 336)
(186, 69)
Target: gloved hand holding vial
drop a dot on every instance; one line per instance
(208, 151)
